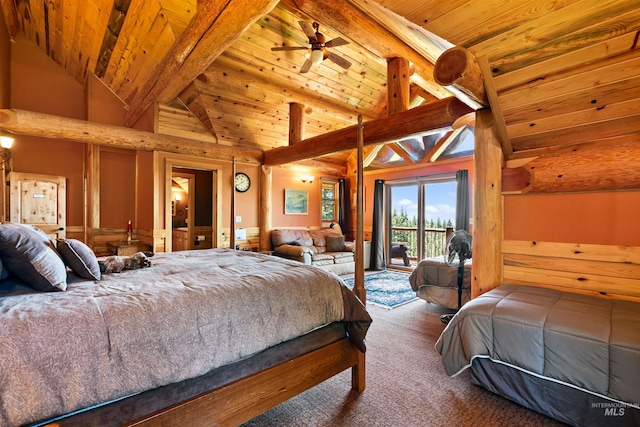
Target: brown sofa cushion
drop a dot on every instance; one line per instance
(335, 243)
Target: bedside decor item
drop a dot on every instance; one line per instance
(242, 182)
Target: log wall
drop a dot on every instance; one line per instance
(599, 270)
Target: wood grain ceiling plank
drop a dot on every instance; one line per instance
(578, 134)
(525, 156)
(154, 48)
(577, 118)
(323, 81)
(601, 96)
(116, 20)
(586, 78)
(567, 62)
(179, 13)
(182, 123)
(355, 25)
(96, 17)
(215, 79)
(137, 25)
(490, 19)
(54, 17)
(577, 25)
(423, 12)
(190, 97)
(10, 16)
(67, 26)
(216, 26)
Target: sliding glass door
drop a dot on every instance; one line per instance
(418, 214)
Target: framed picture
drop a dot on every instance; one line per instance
(296, 202)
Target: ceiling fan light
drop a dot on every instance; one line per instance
(317, 56)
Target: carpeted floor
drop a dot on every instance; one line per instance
(406, 384)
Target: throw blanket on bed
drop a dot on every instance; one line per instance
(188, 313)
(586, 342)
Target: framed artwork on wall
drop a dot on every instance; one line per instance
(296, 202)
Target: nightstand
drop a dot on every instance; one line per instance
(124, 248)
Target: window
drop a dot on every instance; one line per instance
(330, 197)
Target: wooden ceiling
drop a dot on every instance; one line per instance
(557, 74)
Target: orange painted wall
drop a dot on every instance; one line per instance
(5, 64)
(286, 178)
(605, 218)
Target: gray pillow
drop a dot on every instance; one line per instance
(335, 243)
(79, 258)
(30, 256)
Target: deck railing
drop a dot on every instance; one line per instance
(434, 240)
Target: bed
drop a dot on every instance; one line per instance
(210, 336)
(435, 282)
(572, 357)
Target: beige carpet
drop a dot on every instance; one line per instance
(406, 384)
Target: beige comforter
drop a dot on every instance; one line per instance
(188, 313)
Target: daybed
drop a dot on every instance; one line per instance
(572, 357)
(210, 337)
(325, 248)
(435, 282)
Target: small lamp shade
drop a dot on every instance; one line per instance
(317, 56)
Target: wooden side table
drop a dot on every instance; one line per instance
(124, 248)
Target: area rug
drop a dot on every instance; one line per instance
(387, 288)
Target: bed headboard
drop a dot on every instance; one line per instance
(602, 270)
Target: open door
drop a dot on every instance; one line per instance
(39, 200)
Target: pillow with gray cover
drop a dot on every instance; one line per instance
(30, 256)
(79, 258)
(335, 243)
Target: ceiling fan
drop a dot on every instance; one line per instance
(318, 47)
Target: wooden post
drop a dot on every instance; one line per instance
(232, 228)
(266, 183)
(398, 84)
(296, 123)
(487, 206)
(358, 286)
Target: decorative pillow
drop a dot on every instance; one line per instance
(79, 258)
(335, 243)
(31, 257)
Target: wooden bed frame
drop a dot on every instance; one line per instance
(243, 399)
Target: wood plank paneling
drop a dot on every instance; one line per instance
(602, 270)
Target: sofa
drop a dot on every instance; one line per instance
(325, 248)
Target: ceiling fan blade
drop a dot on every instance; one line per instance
(339, 60)
(306, 66)
(338, 41)
(308, 30)
(289, 48)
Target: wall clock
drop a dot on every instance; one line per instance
(242, 182)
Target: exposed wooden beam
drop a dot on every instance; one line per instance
(347, 18)
(50, 126)
(564, 172)
(458, 70)
(496, 109)
(217, 24)
(400, 152)
(296, 123)
(426, 118)
(10, 16)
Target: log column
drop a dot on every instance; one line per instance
(266, 182)
(487, 206)
(296, 123)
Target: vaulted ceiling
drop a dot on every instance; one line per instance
(556, 73)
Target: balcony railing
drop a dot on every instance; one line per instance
(435, 240)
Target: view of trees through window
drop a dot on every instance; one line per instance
(430, 202)
(329, 200)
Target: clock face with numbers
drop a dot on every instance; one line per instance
(242, 182)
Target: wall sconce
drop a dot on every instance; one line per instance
(308, 179)
(6, 142)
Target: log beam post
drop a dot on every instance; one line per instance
(487, 206)
(266, 184)
(296, 123)
(458, 71)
